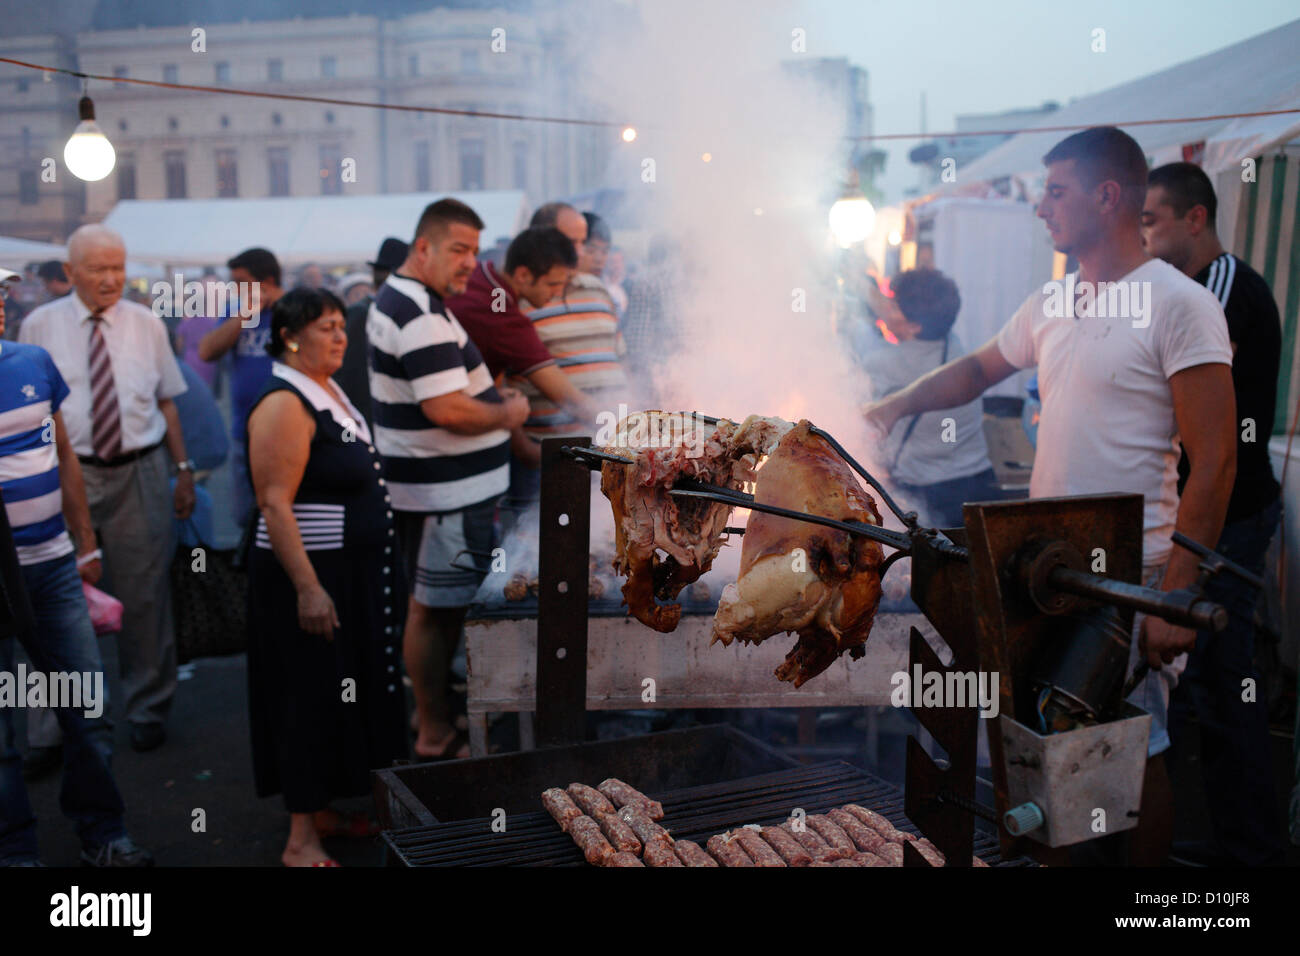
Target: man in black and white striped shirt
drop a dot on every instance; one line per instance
(1178, 225)
(443, 431)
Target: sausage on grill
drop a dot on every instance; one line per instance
(586, 833)
(831, 832)
(878, 823)
(624, 794)
(559, 806)
(591, 800)
(646, 830)
(691, 854)
(660, 854)
(728, 852)
(790, 849)
(758, 849)
(863, 837)
(618, 833)
(625, 859)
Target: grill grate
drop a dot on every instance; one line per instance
(693, 813)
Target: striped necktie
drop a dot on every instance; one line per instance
(106, 419)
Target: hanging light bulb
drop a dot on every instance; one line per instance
(89, 155)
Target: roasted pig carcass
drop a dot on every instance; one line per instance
(664, 543)
(795, 576)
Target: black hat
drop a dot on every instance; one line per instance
(392, 253)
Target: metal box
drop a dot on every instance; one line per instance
(1072, 775)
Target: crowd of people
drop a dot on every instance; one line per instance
(374, 435)
(371, 436)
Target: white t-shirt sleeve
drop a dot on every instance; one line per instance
(1016, 340)
(1192, 331)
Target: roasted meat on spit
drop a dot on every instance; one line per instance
(821, 583)
(688, 531)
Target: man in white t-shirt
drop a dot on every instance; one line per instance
(1132, 355)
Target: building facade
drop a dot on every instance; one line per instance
(186, 144)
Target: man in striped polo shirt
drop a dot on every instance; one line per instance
(580, 328)
(1178, 225)
(40, 480)
(443, 431)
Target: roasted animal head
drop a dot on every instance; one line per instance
(664, 543)
(796, 577)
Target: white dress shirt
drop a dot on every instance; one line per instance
(144, 368)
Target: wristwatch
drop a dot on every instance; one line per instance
(186, 465)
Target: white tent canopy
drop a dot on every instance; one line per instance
(324, 229)
(1258, 74)
(16, 253)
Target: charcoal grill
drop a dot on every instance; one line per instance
(691, 813)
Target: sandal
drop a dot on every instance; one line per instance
(330, 862)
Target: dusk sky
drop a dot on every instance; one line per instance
(988, 57)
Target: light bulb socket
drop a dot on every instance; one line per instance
(86, 109)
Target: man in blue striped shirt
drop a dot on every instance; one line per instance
(443, 430)
(40, 479)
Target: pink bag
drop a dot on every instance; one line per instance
(105, 610)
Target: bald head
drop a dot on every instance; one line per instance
(97, 265)
(564, 218)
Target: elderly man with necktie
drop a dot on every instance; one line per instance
(122, 376)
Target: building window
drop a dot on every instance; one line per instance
(27, 138)
(225, 122)
(275, 70)
(469, 61)
(328, 67)
(173, 123)
(175, 164)
(413, 64)
(278, 160)
(329, 117)
(331, 163)
(170, 73)
(227, 174)
(126, 177)
(276, 119)
(121, 126)
(223, 72)
(422, 182)
(120, 73)
(23, 85)
(27, 187)
(520, 158)
(471, 164)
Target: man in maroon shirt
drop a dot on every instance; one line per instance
(537, 267)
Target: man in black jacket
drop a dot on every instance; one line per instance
(1220, 683)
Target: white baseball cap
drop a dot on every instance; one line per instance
(6, 275)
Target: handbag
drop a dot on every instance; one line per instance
(209, 603)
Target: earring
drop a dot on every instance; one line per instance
(293, 346)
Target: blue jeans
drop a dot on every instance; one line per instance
(64, 640)
(1236, 755)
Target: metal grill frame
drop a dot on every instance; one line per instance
(693, 813)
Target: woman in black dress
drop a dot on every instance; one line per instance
(325, 692)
